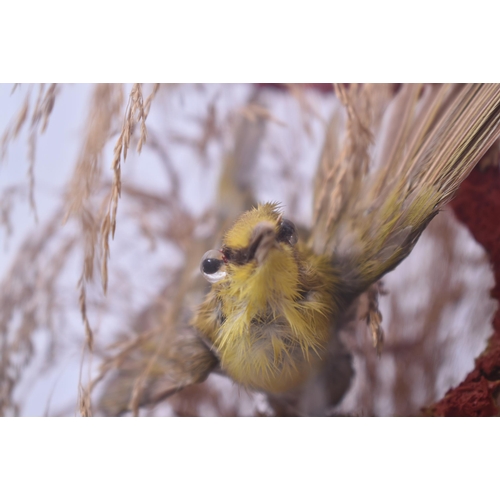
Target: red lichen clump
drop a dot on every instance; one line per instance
(477, 205)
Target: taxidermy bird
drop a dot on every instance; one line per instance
(272, 317)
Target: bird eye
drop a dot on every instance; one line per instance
(287, 232)
(212, 266)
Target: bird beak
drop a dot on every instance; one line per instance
(263, 239)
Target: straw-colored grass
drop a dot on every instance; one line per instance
(151, 358)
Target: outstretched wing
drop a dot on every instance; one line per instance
(154, 367)
(400, 160)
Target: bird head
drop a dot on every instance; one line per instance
(258, 258)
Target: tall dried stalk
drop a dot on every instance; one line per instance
(150, 361)
(38, 122)
(81, 203)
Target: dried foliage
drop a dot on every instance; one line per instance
(244, 143)
(38, 120)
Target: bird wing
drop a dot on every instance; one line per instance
(154, 367)
(390, 165)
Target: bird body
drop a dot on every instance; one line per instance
(270, 317)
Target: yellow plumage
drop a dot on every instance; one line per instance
(269, 322)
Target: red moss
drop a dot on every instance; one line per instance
(478, 207)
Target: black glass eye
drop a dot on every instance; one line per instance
(287, 232)
(212, 266)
